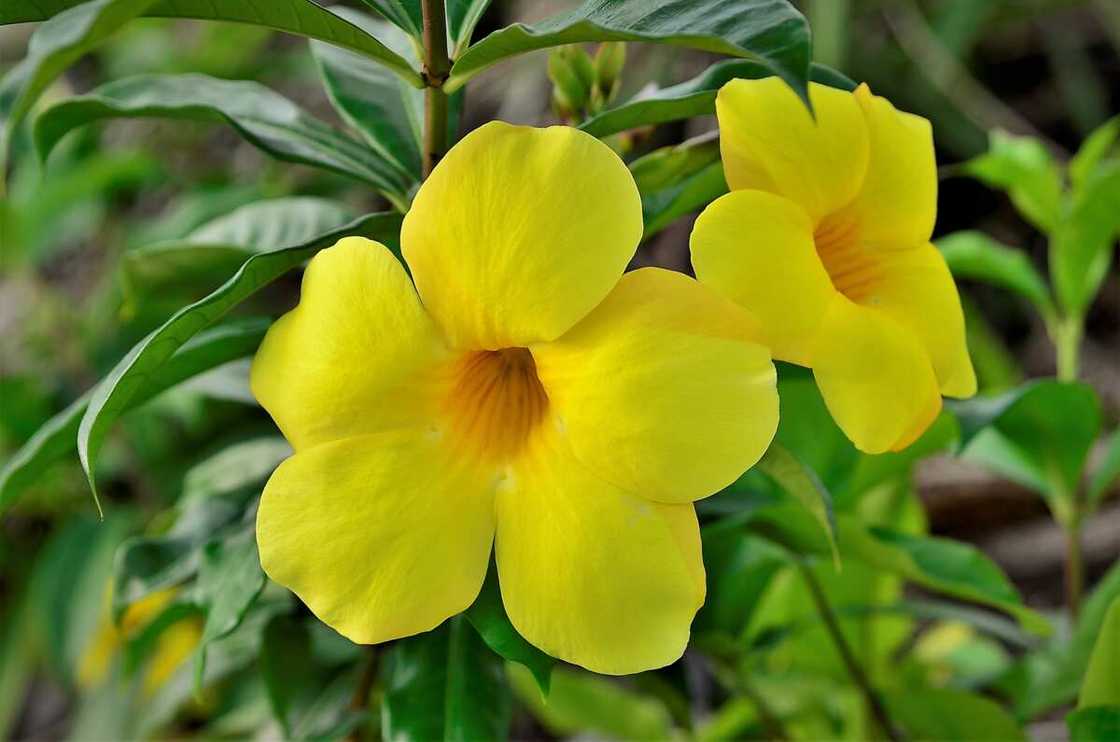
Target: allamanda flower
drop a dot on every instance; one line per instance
(524, 394)
(825, 239)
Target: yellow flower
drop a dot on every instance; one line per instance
(825, 240)
(524, 394)
(173, 646)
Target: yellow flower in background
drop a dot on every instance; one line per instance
(172, 648)
(523, 394)
(825, 240)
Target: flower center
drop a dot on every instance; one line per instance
(495, 402)
(853, 267)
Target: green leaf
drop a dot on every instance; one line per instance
(299, 17)
(1038, 435)
(53, 47)
(582, 702)
(488, 617)
(308, 692)
(229, 580)
(796, 479)
(462, 17)
(112, 396)
(1023, 168)
(1101, 686)
(242, 465)
(1094, 724)
(976, 256)
(945, 713)
(1084, 238)
(1051, 676)
(444, 685)
(1098, 146)
(405, 14)
(210, 253)
(1107, 472)
(56, 438)
(676, 180)
(768, 31)
(939, 564)
(265, 118)
(386, 111)
(695, 97)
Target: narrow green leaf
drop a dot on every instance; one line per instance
(946, 713)
(229, 580)
(796, 479)
(1023, 168)
(53, 47)
(386, 111)
(1101, 686)
(1094, 724)
(768, 31)
(404, 14)
(677, 180)
(113, 395)
(462, 17)
(265, 118)
(209, 254)
(1100, 144)
(946, 566)
(1084, 239)
(582, 702)
(695, 97)
(56, 438)
(444, 685)
(976, 256)
(488, 617)
(1107, 472)
(1038, 435)
(299, 17)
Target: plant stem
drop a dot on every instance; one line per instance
(1075, 570)
(1067, 342)
(770, 722)
(859, 677)
(437, 65)
(360, 699)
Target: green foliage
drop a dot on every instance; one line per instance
(976, 256)
(444, 685)
(265, 118)
(112, 396)
(769, 30)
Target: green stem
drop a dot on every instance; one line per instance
(855, 670)
(437, 65)
(360, 700)
(1067, 341)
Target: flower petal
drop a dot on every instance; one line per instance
(770, 142)
(592, 574)
(916, 288)
(381, 536)
(757, 249)
(662, 389)
(897, 204)
(352, 358)
(875, 377)
(519, 232)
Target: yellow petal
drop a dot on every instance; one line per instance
(662, 389)
(381, 536)
(875, 377)
(769, 142)
(915, 287)
(520, 232)
(757, 249)
(591, 574)
(352, 358)
(897, 203)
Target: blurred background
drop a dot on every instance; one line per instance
(69, 307)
